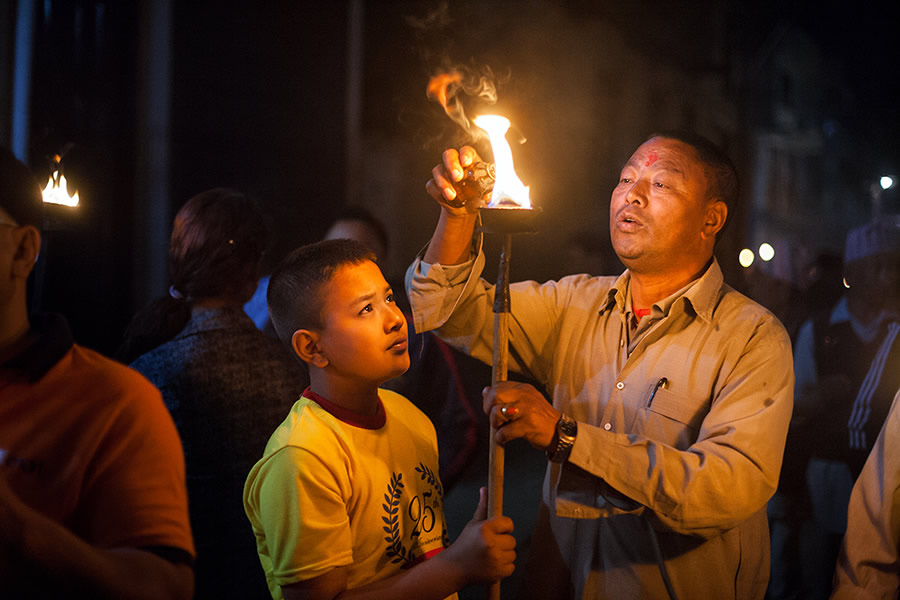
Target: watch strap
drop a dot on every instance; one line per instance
(564, 438)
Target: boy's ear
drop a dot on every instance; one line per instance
(306, 344)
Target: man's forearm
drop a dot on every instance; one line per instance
(451, 243)
(62, 560)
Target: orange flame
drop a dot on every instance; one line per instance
(438, 87)
(509, 191)
(445, 88)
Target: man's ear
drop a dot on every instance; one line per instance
(28, 247)
(716, 214)
(306, 344)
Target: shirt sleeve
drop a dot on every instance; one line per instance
(134, 494)
(868, 565)
(458, 303)
(730, 471)
(434, 290)
(303, 515)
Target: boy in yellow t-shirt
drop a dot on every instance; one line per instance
(346, 500)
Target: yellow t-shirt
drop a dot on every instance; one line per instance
(336, 488)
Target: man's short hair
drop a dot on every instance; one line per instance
(295, 290)
(721, 174)
(20, 192)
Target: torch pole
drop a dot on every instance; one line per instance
(498, 374)
(505, 222)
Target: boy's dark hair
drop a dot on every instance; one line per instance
(721, 174)
(295, 289)
(20, 192)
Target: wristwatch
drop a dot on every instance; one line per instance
(566, 430)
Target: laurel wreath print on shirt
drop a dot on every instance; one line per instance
(420, 510)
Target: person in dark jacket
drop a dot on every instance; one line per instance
(227, 384)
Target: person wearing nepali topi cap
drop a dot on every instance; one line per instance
(847, 369)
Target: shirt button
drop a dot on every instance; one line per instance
(608, 426)
(620, 386)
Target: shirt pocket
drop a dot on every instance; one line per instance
(671, 418)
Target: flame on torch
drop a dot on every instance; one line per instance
(509, 191)
(446, 89)
(57, 189)
(439, 88)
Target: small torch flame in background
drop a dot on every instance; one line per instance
(509, 191)
(57, 189)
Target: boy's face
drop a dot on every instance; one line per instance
(364, 335)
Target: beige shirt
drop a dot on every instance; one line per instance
(658, 498)
(869, 563)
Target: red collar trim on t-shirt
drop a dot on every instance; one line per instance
(349, 417)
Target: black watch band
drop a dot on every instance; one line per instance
(566, 430)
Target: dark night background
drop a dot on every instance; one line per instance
(312, 107)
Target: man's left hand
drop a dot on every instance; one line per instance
(518, 410)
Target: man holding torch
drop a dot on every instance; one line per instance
(671, 392)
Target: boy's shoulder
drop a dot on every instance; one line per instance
(398, 406)
(309, 420)
(302, 426)
(311, 430)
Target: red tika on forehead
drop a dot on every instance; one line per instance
(652, 157)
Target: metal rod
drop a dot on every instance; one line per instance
(498, 374)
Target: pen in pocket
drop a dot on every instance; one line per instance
(662, 383)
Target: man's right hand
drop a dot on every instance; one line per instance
(452, 170)
(452, 239)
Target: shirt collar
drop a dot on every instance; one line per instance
(54, 340)
(373, 422)
(210, 319)
(700, 295)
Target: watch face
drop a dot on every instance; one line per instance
(567, 426)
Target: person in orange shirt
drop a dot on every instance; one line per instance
(92, 483)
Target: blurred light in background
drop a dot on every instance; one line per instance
(746, 257)
(886, 182)
(766, 252)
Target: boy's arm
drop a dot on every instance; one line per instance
(484, 552)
